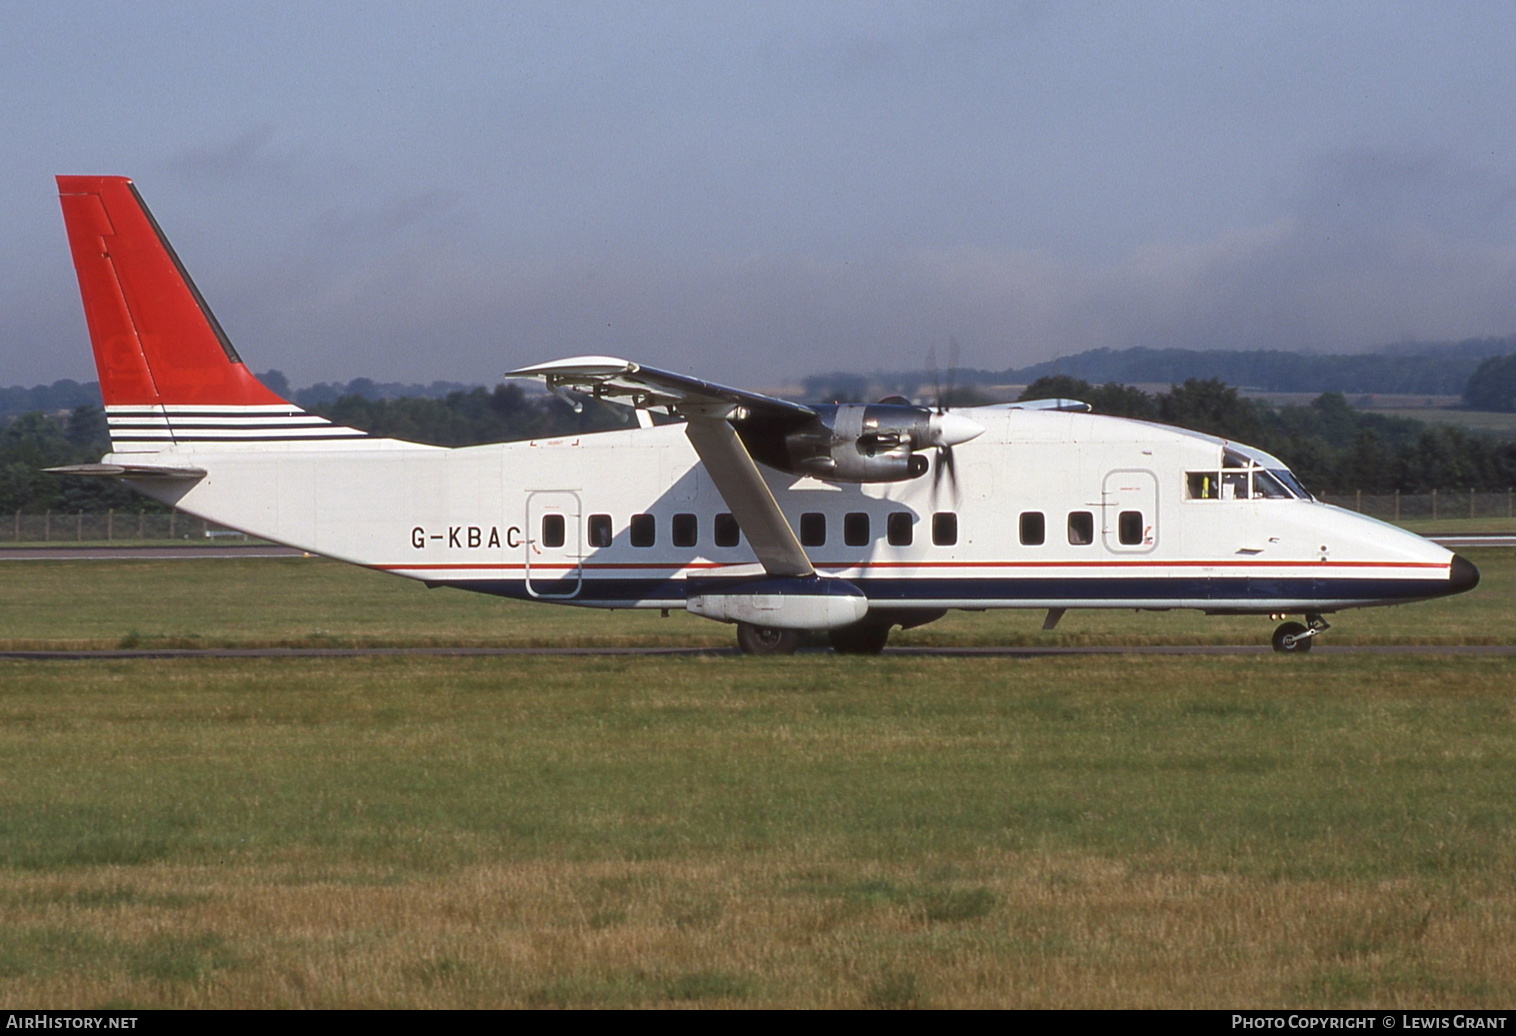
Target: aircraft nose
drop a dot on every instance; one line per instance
(1462, 575)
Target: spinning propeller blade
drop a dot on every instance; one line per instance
(948, 430)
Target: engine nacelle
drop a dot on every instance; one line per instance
(858, 442)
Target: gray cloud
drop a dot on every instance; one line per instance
(443, 307)
(245, 156)
(1365, 188)
(754, 193)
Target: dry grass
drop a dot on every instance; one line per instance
(1028, 930)
(717, 832)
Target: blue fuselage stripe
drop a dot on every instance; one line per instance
(1256, 591)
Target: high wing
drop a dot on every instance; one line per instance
(130, 471)
(608, 377)
(708, 410)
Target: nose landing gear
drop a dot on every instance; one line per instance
(1293, 638)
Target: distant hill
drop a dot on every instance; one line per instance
(1424, 368)
(1419, 368)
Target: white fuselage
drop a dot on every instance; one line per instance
(1131, 515)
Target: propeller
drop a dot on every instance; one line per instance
(947, 430)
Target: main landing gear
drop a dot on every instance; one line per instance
(1293, 638)
(863, 638)
(766, 640)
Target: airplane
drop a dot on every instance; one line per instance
(775, 516)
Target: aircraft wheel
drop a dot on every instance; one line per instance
(1291, 629)
(766, 640)
(860, 639)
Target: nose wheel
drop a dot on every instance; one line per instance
(1292, 638)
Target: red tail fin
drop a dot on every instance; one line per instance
(155, 340)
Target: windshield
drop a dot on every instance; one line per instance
(1244, 481)
(1287, 477)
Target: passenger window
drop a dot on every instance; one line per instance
(944, 528)
(727, 532)
(686, 530)
(1081, 528)
(900, 529)
(552, 530)
(1129, 528)
(812, 529)
(855, 529)
(1034, 529)
(643, 530)
(600, 530)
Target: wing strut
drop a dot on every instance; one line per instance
(708, 410)
(743, 489)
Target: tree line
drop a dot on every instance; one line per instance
(1330, 445)
(66, 393)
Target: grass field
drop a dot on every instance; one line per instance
(1471, 420)
(714, 831)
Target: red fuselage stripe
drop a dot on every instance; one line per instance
(705, 565)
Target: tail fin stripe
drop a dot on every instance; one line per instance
(277, 409)
(257, 437)
(218, 421)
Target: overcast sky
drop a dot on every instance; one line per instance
(751, 192)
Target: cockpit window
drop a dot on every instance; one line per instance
(1292, 483)
(1203, 485)
(1266, 485)
(1244, 483)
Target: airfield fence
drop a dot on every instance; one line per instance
(112, 527)
(127, 526)
(1397, 507)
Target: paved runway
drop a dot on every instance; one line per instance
(166, 552)
(1473, 539)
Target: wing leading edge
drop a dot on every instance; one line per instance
(609, 377)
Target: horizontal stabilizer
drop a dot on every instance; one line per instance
(154, 471)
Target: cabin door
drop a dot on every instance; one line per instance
(1130, 505)
(553, 545)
